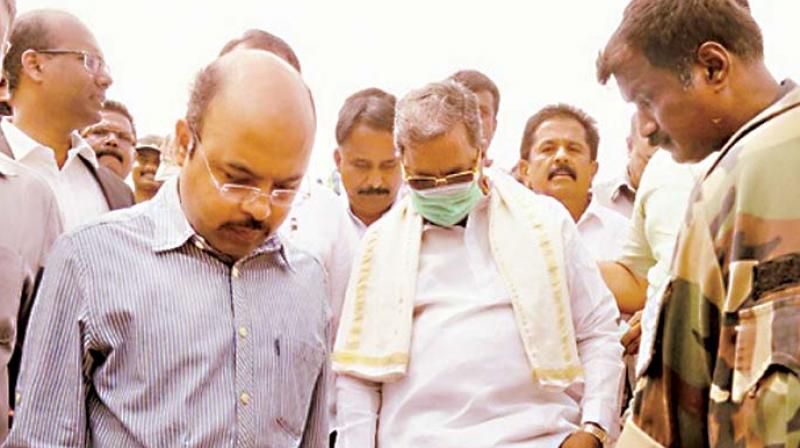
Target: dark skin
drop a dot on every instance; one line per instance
(725, 91)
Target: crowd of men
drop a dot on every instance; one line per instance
(193, 290)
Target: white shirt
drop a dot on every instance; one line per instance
(319, 224)
(617, 194)
(469, 382)
(77, 191)
(658, 212)
(358, 225)
(603, 231)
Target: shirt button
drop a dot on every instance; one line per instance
(235, 272)
(17, 398)
(244, 398)
(243, 332)
(198, 244)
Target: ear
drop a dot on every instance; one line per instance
(715, 62)
(595, 167)
(31, 62)
(183, 141)
(337, 158)
(522, 168)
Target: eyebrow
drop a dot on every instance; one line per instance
(242, 169)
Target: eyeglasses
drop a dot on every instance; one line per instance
(245, 193)
(91, 62)
(428, 182)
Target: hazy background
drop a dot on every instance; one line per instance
(538, 52)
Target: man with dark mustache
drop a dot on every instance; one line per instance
(145, 167)
(366, 156)
(558, 157)
(235, 351)
(112, 138)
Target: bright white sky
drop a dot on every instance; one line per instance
(537, 51)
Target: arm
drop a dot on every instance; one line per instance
(594, 315)
(629, 288)
(358, 403)
(317, 430)
(51, 410)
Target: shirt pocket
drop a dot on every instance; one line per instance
(301, 366)
(768, 335)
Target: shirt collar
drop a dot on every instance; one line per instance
(172, 229)
(622, 186)
(22, 144)
(789, 99)
(7, 166)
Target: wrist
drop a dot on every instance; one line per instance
(597, 432)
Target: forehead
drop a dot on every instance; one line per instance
(68, 33)
(367, 142)
(147, 153)
(635, 76)
(445, 154)
(561, 128)
(115, 119)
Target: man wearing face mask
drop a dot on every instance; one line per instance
(558, 157)
(465, 279)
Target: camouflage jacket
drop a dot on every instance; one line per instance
(723, 368)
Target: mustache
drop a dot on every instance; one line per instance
(108, 152)
(562, 169)
(252, 224)
(374, 191)
(658, 140)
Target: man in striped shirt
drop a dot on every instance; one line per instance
(185, 321)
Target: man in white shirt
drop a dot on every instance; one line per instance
(366, 157)
(474, 316)
(57, 79)
(619, 193)
(558, 157)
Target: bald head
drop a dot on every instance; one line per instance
(39, 30)
(241, 76)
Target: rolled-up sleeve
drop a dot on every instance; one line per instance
(53, 385)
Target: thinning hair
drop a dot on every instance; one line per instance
(116, 106)
(29, 32)
(560, 111)
(205, 87)
(478, 82)
(262, 40)
(427, 113)
(668, 33)
(372, 107)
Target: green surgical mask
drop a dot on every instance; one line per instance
(448, 205)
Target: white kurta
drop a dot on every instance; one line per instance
(469, 383)
(77, 191)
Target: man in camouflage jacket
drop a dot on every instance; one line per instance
(721, 366)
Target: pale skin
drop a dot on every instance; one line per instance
(56, 94)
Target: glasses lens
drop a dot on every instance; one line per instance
(421, 183)
(460, 178)
(283, 198)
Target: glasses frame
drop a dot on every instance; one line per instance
(93, 63)
(281, 197)
(441, 181)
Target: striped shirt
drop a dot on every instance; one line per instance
(142, 335)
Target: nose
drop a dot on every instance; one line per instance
(561, 153)
(103, 78)
(647, 124)
(374, 179)
(259, 207)
(111, 139)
